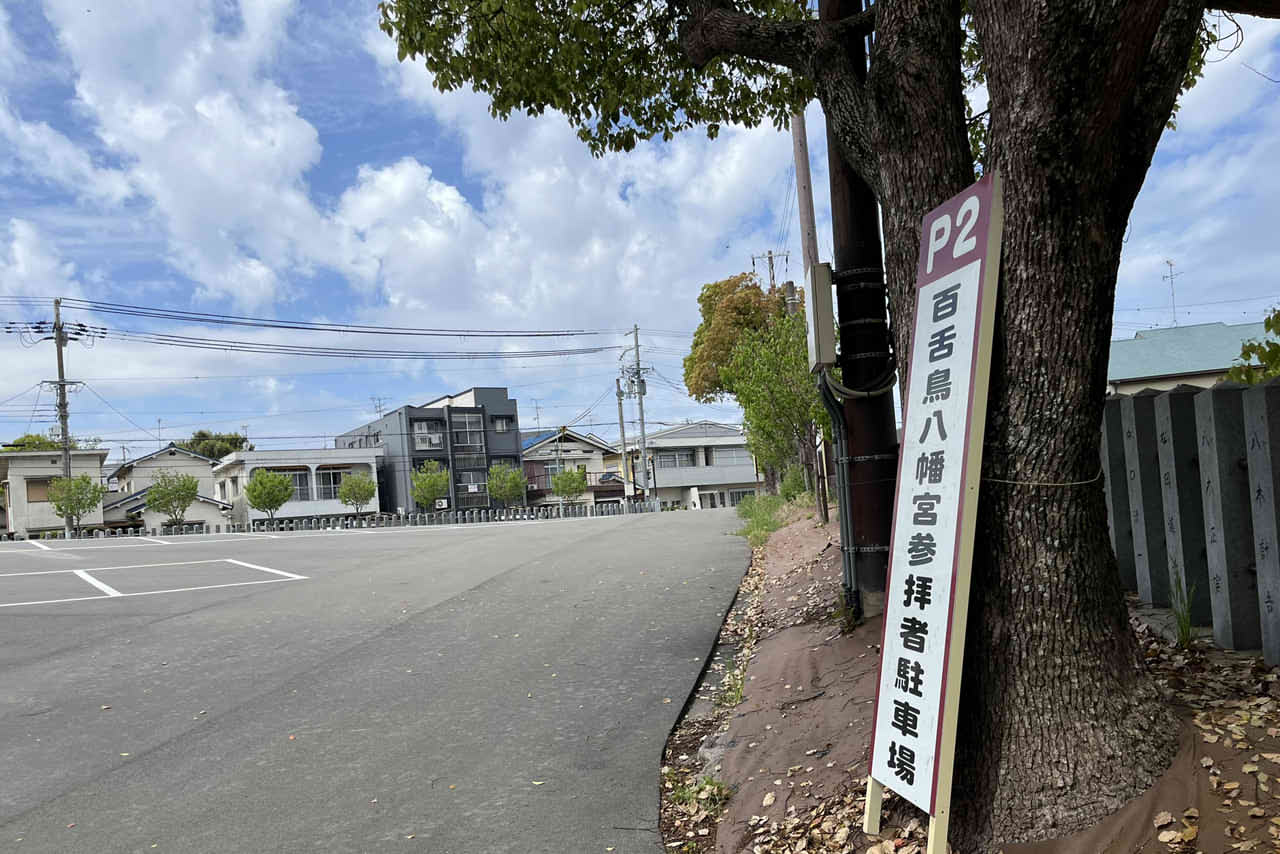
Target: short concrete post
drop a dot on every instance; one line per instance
(1116, 481)
(1146, 506)
(1228, 521)
(1178, 449)
(1262, 435)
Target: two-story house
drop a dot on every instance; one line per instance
(25, 477)
(465, 433)
(698, 466)
(551, 451)
(317, 475)
(133, 479)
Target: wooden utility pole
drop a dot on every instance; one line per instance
(622, 443)
(866, 360)
(809, 253)
(639, 376)
(60, 340)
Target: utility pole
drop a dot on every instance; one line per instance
(809, 253)
(1173, 297)
(537, 413)
(622, 442)
(60, 340)
(639, 376)
(769, 256)
(379, 404)
(866, 360)
(159, 440)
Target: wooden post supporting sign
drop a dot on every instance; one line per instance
(927, 595)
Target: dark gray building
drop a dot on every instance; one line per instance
(466, 433)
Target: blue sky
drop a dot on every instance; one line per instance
(272, 158)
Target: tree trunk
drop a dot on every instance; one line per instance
(1060, 723)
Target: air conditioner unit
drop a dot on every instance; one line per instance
(442, 503)
(473, 487)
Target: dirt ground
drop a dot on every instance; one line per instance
(773, 758)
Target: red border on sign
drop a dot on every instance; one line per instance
(983, 189)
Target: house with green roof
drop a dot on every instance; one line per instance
(1197, 355)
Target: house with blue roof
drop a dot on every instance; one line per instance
(1197, 355)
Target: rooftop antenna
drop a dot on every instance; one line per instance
(1173, 297)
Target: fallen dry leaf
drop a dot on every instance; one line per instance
(769, 798)
(1163, 818)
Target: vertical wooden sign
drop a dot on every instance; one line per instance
(940, 463)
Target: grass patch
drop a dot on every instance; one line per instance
(760, 512)
(708, 793)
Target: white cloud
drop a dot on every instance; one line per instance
(30, 265)
(40, 150)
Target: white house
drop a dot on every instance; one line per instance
(703, 465)
(552, 451)
(317, 475)
(133, 479)
(25, 476)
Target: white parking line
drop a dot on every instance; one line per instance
(104, 568)
(107, 589)
(289, 575)
(39, 545)
(154, 540)
(147, 592)
(109, 592)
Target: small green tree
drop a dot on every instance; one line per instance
(1259, 357)
(215, 445)
(430, 481)
(792, 483)
(267, 491)
(33, 442)
(171, 493)
(506, 484)
(569, 484)
(74, 497)
(356, 491)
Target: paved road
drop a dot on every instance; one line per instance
(496, 689)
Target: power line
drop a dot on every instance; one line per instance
(121, 414)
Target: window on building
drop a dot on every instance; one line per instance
(731, 457)
(686, 458)
(301, 483)
(428, 435)
(666, 461)
(554, 468)
(37, 490)
(502, 423)
(612, 465)
(736, 495)
(469, 461)
(235, 486)
(468, 432)
(328, 481)
(222, 490)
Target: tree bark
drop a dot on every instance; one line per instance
(1060, 722)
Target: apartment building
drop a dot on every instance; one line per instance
(697, 466)
(465, 433)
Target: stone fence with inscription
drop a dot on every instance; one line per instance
(1191, 485)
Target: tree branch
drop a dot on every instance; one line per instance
(1259, 8)
(715, 30)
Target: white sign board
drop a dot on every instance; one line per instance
(926, 597)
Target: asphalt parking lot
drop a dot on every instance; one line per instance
(499, 688)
